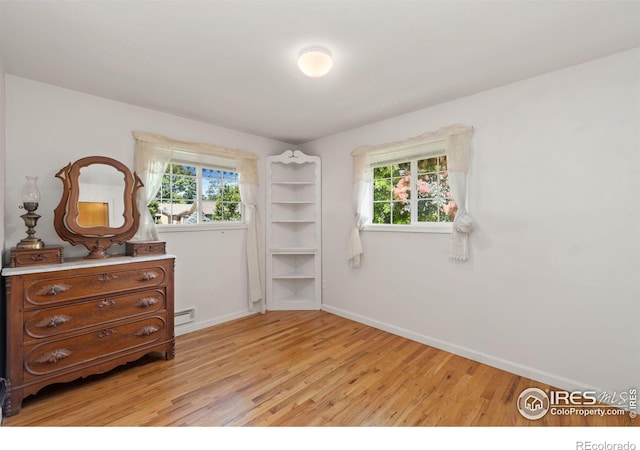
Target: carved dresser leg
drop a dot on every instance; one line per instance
(13, 402)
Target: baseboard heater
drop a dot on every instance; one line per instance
(184, 316)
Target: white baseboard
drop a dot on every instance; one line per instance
(499, 363)
(195, 326)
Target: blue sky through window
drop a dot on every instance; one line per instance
(213, 180)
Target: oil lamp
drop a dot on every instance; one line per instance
(30, 200)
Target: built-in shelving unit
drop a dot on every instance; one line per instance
(293, 231)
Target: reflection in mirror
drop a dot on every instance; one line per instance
(93, 214)
(101, 195)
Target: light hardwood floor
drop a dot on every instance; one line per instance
(295, 368)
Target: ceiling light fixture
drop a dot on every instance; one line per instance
(315, 61)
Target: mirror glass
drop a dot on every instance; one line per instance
(100, 197)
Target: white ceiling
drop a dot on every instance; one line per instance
(233, 63)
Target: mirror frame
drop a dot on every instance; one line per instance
(96, 239)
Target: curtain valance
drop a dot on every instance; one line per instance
(453, 140)
(244, 162)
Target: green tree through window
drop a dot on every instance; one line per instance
(415, 191)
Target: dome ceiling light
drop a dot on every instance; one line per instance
(315, 61)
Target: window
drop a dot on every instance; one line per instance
(194, 194)
(412, 192)
(419, 184)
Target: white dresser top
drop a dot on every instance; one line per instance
(78, 263)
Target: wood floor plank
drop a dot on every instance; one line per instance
(295, 368)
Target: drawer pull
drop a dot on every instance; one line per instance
(107, 277)
(147, 331)
(37, 257)
(146, 276)
(52, 322)
(54, 290)
(54, 356)
(106, 332)
(106, 303)
(147, 301)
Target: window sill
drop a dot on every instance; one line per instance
(202, 227)
(442, 228)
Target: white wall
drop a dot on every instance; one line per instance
(48, 127)
(552, 287)
(2, 153)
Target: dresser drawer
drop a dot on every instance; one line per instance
(141, 248)
(54, 321)
(55, 356)
(65, 287)
(30, 257)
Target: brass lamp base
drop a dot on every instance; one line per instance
(30, 243)
(30, 220)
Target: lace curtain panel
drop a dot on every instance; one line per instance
(152, 155)
(456, 142)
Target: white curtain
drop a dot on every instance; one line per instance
(454, 141)
(458, 155)
(150, 164)
(360, 196)
(153, 153)
(249, 197)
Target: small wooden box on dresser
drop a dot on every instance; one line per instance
(84, 317)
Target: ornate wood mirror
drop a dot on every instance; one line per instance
(98, 205)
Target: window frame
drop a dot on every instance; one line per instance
(414, 226)
(203, 226)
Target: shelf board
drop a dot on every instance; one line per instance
(293, 182)
(293, 298)
(293, 202)
(294, 276)
(294, 250)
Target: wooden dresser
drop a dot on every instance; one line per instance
(84, 317)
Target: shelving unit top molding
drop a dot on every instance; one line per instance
(297, 168)
(79, 263)
(297, 156)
